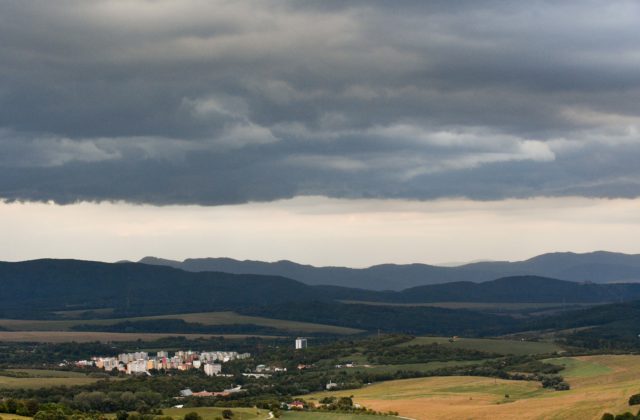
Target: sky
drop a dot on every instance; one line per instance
(334, 132)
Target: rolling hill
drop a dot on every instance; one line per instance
(597, 267)
(41, 288)
(45, 286)
(34, 288)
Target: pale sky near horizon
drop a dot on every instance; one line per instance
(322, 231)
(348, 132)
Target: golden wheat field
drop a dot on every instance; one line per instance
(599, 384)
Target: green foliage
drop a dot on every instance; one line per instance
(192, 416)
(612, 327)
(409, 319)
(25, 354)
(328, 400)
(634, 399)
(11, 405)
(50, 415)
(423, 353)
(556, 382)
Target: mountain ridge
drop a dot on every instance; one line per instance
(41, 287)
(597, 267)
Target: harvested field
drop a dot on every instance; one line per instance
(599, 384)
(7, 416)
(291, 415)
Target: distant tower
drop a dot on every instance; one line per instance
(301, 343)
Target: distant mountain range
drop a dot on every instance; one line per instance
(40, 287)
(597, 267)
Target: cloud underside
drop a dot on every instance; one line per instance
(198, 102)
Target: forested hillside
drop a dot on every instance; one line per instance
(47, 285)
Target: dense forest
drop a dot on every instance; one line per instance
(404, 319)
(36, 289)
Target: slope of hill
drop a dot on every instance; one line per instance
(411, 320)
(603, 327)
(43, 286)
(520, 289)
(598, 267)
(37, 289)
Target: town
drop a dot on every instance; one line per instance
(142, 363)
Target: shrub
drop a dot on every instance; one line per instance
(192, 416)
(50, 415)
(634, 399)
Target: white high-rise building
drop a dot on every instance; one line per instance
(137, 366)
(211, 369)
(301, 343)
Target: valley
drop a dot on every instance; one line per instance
(546, 348)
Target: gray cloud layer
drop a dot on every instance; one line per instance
(226, 102)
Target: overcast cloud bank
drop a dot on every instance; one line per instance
(199, 102)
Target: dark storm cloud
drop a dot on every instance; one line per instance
(226, 102)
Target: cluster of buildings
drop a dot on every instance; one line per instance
(350, 365)
(142, 363)
(189, 393)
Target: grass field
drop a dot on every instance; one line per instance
(292, 415)
(207, 318)
(44, 373)
(599, 384)
(490, 345)
(210, 413)
(5, 416)
(36, 378)
(580, 368)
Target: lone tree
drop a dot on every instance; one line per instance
(192, 416)
(634, 399)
